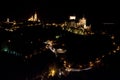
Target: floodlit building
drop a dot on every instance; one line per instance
(77, 26)
(82, 23)
(72, 21)
(34, 18)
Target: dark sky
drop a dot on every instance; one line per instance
(58, 9)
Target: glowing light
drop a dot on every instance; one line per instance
(34, 18)
(31, 18)
(87, 68)
(52, 72)
(72, 17)
(8, 20)
(65, 62)
(68, 69)
(91, 64)
(69, 65)
(5, 49)
(113, 43)
(114, 51)
(112, 37)
(118, 48)
(61, 50)
(103, 56)
(57, 37)
(82, 22)
(26, 57)
(98, 60)
(80, 66)
(9, 41)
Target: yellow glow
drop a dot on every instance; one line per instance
(31, 18)
(98, 60)
(80, 66)
(82, 21)
(52, 72)
(65, 62)
(50, 42)
(118, 48)
(112, 37)
(114, 51)
(68, 69)
(91, 64)
(69, 65)
(34, 18)
(113, 43)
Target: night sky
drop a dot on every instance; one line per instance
(59, 9)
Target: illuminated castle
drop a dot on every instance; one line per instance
(77, 26)
(82, 23)
(34, 18)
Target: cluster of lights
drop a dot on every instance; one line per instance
(13, 28)
(80, 31)
(79, 27)
(11, 52)
(92, 64)
(81, 67)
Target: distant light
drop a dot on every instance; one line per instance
(5, 49)
(108, 23)
(91, 64)
(9, 41)
(52, 72)
(112, 37)
(57, 36)
(113, 43)
(26, 57)
(61, 50)
(31, 42)
(87, 68)
(103, 56)
(114, 51)
(38, 20)
(72, 17)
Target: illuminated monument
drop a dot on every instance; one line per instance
(81, 23)
(72, 22)
(34, 18)
(77, 26)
